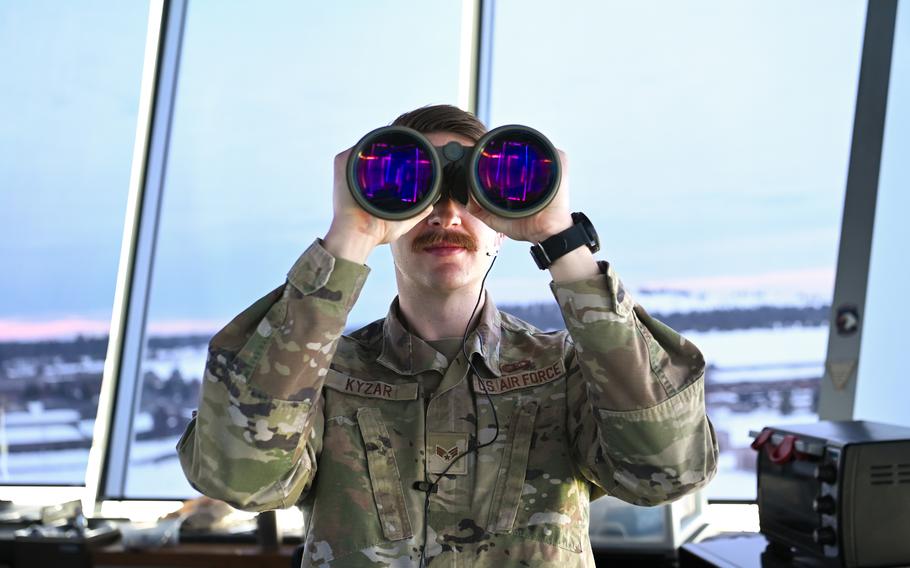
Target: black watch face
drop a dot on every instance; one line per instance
(593, 240)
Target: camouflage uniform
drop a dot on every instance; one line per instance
(293, 412)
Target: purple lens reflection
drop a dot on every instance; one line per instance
(394, 172)
(516, 171)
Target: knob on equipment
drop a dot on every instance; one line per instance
(824, 535)
(824, 505)
(826, 473)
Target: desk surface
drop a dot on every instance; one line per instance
(739, 550)
(196, 555)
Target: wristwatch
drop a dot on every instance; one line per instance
(582, 232)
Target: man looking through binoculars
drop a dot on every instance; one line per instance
(448, 433)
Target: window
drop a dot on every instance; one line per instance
(708, 143)
(265, 100)
(69, 96)
(881, 387)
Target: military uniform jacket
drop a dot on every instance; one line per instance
(294, 412)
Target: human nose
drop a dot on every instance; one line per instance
(446, 213)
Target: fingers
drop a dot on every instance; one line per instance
(396, 229)
(480, 213)
(341, 160)
(408, 224)
(424, 214)
(564, 166)
(343, 155)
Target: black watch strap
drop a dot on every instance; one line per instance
(581, 233)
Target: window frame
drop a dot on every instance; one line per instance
(837, 396)
(119, 399)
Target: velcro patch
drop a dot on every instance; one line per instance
(517, 366)
(533, 378)
(370, 389)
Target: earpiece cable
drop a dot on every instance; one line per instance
(431, 488)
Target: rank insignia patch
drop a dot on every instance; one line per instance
(447, 455)
(443, 448)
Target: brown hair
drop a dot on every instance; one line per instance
(442, 118)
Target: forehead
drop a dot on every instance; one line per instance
(443, 138)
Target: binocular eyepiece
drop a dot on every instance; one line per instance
(395, 172)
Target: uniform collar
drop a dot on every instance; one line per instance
(407, 354)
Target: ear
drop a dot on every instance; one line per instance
(497, 244)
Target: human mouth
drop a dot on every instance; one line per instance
(444, 249)
(447, 243)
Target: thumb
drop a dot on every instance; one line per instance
(479, 212)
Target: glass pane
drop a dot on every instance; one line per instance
(881, 373)
(69, 96)
(708, 143)
(266, 98)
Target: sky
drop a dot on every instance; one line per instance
(708, 141)
(68, 103)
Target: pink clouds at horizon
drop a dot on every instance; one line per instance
(818, 282)
(72, 327)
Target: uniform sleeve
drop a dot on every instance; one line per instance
(256, 437)
(636, 399)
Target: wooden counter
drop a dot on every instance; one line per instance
(196, 555)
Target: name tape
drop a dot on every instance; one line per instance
(506, 383)
(371, 389)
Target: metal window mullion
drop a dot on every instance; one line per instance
(838, 388)
(484, 60)
(119, 399)
(467, 55)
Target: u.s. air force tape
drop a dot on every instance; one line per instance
(531, 378)
(371, 389)
(408, 391)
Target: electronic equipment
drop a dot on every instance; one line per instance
(837, 490)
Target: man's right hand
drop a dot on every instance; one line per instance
(354, 232)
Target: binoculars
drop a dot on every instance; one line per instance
(395, 172)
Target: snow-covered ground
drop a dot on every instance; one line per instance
(20, 368)
(188, 361)
(683, 301)
(738, 355)
(793, 346)
(61, 467)
(751, 355)
(154, 471)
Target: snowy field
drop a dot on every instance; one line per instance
(154, 472)
(738, 354)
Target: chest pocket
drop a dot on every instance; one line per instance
(514, 465)
(384, 475)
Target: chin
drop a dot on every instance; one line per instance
(439, 283)
(443, 285)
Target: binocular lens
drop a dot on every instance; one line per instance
(516, 171)
(394, 172)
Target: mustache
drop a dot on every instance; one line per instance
(437, 238)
